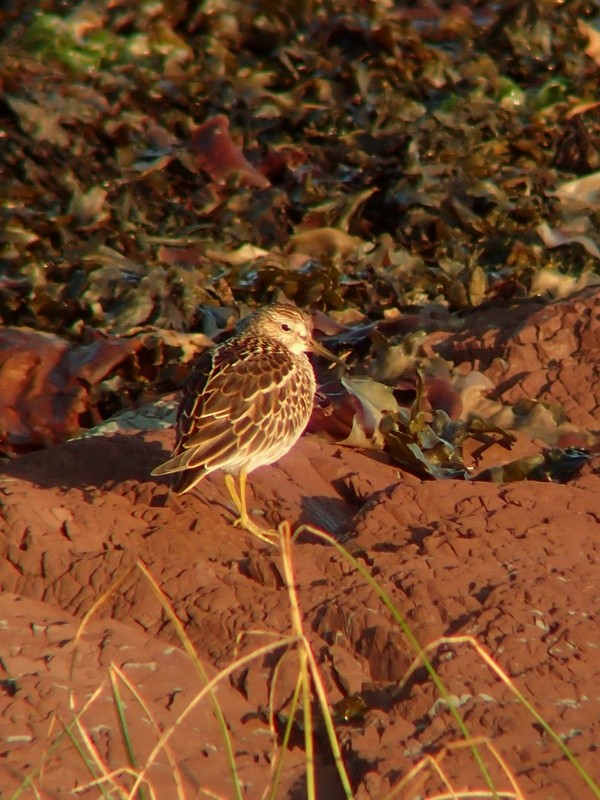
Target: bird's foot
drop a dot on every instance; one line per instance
(267, 535)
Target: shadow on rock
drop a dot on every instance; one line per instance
(95, 461)
(329, 514)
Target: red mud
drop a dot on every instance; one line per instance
(515, 566)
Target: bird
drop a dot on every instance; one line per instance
(245, 404)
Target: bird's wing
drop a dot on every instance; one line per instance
(229, 403)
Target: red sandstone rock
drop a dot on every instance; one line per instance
(516, 567)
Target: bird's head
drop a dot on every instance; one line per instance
(291, 327)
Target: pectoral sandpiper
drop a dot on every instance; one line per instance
(246, 403)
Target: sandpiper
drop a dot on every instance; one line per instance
(245, 404)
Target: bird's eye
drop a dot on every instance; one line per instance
(285, 327)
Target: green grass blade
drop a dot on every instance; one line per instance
(124, 728)
(285, 740)
(414, 643)
(193, 655)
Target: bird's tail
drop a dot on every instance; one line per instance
(183, 476)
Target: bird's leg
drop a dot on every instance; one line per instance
(239, 500)
(232, 489)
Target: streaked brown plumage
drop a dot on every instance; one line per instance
(246, 404)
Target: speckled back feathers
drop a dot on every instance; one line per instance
(247, 400)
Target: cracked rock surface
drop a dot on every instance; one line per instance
(515, 566)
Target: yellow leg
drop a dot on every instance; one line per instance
(239, 501)
(232, 489)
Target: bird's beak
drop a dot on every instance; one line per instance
(323, 351)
